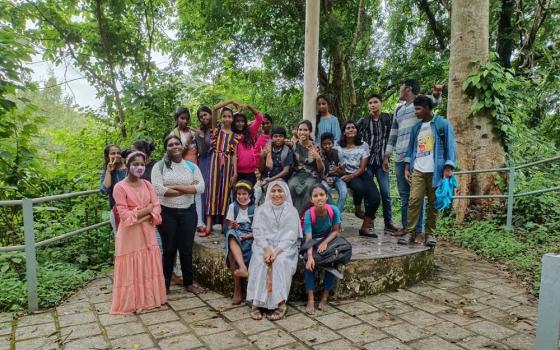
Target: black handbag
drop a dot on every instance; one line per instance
(338, 252)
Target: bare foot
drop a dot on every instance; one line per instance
(241, 273)
(310, 308)
(237, 299)
(193, 288)
(322, 305)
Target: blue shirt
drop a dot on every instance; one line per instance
(444, 148)
(328, 124)
(323, 226)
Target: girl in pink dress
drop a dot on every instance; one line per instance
(138, 281)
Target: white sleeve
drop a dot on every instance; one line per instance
(230, 213)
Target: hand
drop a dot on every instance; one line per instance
(195, 182)
(347, 178)
(264, 182)
(385, 165)
(322, 247)
(267, 254)
(237, 105)
(313, 152)
(233, 225)
(407, 175)
(111, 164)
(330, 181)
(310, 264)
(150, 207)
(447, 172)
(272, 257)
(232, 181)
(246, 237)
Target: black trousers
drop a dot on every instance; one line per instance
(177, 231)
(363, 188)
(251, 177)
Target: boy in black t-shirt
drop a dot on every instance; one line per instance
(276, 158)
(332, 164)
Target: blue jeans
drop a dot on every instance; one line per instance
(383, 181)
(404, 192)
(309, 277)
(340, 187)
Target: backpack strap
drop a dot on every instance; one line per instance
(330, 213)
(250, 211)
(235, 210)
(160, 167)
(284, 154)
(190, 165)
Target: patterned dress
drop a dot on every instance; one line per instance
(222, 150)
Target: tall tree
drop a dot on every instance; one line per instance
(479, 146)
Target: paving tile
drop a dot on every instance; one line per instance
(5, 328)
(335, 345)
(80, 331)
(376, 299)
(29, 320)
(380, 319)
(420, 318)
(249, 326)
(167, 329)
(357, 308)
(442, 296)
(108, 319)
(34, 344)
(39, 330)
(498, 301)
(405, 332)
(404, 295)
(430, 306)
(97, 343)
(433, 343)
(5, 342)
(198, 314)
(420, 288)
(239, 313)
(449, 331)
(395, 307)
(524, 311)
(73, 308)
(222, 304)
(479, 342)
(137, 341)
(387, 344)
(158, 317)
(103, 308)
(315, 335)
(181, 342)
(362, 333)
(225, 340)
(209, 295)
(271, 339)
(184, 304)
(293, 346)
(76, 319)
(495, 315)
(490, 330)
(520, 342)
(443, 284)
(296, 322)
(506, 290)
(210, 326)
(6, 317)
(124, 329)
(338, 320)
(469, 292)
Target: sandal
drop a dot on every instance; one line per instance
(256, 314)
(279, 313)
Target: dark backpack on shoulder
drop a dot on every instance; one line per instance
(338, 252)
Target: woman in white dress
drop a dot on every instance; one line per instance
(277, 228)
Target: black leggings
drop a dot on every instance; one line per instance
(363, 187)
(177, 233)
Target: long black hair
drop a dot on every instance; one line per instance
(206, 109)
(357, 140)
(328, 99)
(146, 147)
(106, 152)
(166, 159)
(180, 111)
(247, 138)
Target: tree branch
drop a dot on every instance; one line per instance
(441, 38)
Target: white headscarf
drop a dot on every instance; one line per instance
(284, 186)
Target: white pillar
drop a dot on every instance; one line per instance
(311, 62)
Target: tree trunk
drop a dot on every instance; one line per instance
(478, 143)
(505, 38)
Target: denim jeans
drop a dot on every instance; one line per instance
(340, 187)
(404, 192)
(383, 181)
(309, 277)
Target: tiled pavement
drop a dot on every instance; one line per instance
(467, 304)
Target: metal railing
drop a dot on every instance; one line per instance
(29, 237)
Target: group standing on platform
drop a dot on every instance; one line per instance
(270, 194)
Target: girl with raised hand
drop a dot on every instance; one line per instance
(276, 229)
(176, 182)
(247, 133)
(325, 121)
(239, 235)
(321, 222)
(114, 170)
(138, 282)
(353, 155)
(308, 166)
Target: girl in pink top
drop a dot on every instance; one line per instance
(246, 164)
(138, 282)
(263, 137)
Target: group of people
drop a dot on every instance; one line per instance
(269, 193)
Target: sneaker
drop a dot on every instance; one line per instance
(430, 241)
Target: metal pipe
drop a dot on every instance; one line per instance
(537, 191)
(64, 196)
(30, 257)
(510, 198)
(495, 170)
(10, 203)
(537, 162)
(482, 196)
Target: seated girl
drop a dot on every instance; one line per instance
(276, 230)
(239, 235)
(321, 222)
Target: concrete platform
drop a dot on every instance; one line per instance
(377, 265)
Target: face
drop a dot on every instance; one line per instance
(266, 125)
(239, 123)
(115, 155)
(242, 195)
(227, 118)
(277, 195)
(326, 146)
(319, 197)
(322, 106)
(182, 121)
(403, 91)
(374, 105)
(174, 148)
(350, 130)
(421, 112)
(303, 132)
(137, 166)
(278, 140)
(204, 118)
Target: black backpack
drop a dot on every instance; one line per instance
(338, 252)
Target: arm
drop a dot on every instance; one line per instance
(336, 131)
(102, 187)
(255, 125)
(156, 207)
(234, 176)
(157, 182)
(129, 216)
(358, 172)
(391, 143)
(106, 179)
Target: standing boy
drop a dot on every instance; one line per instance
(430, 157)
(332, 164)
